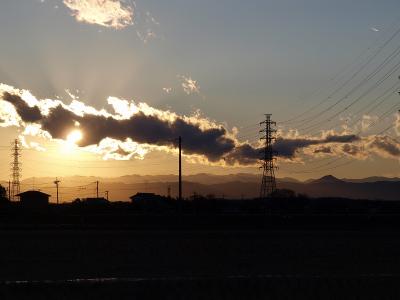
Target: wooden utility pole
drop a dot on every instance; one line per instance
(97, 189)
(56, 182)
(180, 168)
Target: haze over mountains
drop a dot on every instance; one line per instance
(242, 185)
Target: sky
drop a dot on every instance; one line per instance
(105, 87)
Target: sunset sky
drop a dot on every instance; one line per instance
(104, 87)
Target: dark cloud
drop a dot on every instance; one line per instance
(141, 128)
(323, 149)
(244, 155)
(121, 152)
(351, 149)
(386, 145)
(28, 114)
(288, 147)
(213, 143)
(350, 138)
(59, 122)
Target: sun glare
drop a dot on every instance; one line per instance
(74, 137)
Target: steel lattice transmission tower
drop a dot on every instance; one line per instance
(268, 183)
(15, 170)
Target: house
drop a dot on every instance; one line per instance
(34, 199)
(141, 197)
(95, 201)
(151, 202)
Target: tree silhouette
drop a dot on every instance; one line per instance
(3, 193)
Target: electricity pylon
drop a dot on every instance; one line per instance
(15, 170)
(268, 183)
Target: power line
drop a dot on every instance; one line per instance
(334, 160)
(355, 74)
(380, 67)
(384, 96)
(373, 123)
(385, 77)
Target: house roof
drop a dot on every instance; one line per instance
(143, 195)
(33, 193)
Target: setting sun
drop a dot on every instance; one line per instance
(74, 137)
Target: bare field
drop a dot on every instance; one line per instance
(194, 259)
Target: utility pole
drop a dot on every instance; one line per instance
(106, 193)
(268, 183)
(180, 168)
(56, 182)
(9, 190)
(97, 189)
(15, 170)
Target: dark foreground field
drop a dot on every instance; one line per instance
(214, 264)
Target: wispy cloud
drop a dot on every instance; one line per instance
(150, 19)
(189, 85)
(115, 14)
(148, 28)
(168, 90)
(146, 36)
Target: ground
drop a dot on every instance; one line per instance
(148, 262)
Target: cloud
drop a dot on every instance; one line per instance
(374, 29)
(115, 14)
(133, 129)
(147, 35)
(148, 27)
(323, 149)
(362, 148)
(397, 124)
(348, 138)
(189, 85)
(353, 150)
(143, 125)
(244, 154)
(385, 146)
(150, 19)
(287, 148)
(27, 113)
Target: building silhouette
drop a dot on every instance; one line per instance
(151, 202)
(34, 199)
(95, 201)
(141, 197)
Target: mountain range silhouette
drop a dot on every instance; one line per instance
(241, 185)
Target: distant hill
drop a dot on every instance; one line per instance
(326, 179)
(241, 185)
(372, 179)
(329, 186)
